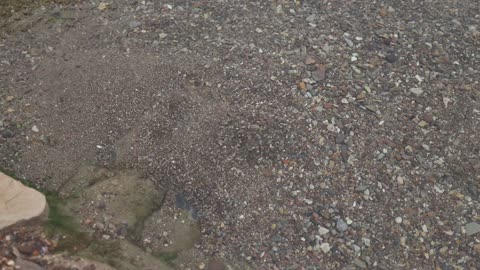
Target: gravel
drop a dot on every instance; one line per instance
(275, 122)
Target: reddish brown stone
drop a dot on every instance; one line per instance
(328, 106)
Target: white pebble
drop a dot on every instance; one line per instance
(398, 220)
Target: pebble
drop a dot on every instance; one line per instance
(319, 73)
(366, 241)
(134, 24)
(417, 91)
(325, 247)
(340, 138)
(403, 241)
(310, 61)
(428, 117)
(341, 225)
(328, 106)
(349, 221)
(422, 124)
(360, 264)
(349, 42)
(371, 108)
(398, 220)
(35, 129)
(201, 266)
(311, 18)
(322, 230)
(400, 180)
(163, 35)
(472, 228)
(391, 58)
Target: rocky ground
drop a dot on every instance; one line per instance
(304, 134)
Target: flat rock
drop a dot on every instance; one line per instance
(416, 91)
(18, 202)
(472, 228)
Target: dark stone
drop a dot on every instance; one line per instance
(7, 133)
(340, 138)
(391, 58)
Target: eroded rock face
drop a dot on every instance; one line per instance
(19, 203)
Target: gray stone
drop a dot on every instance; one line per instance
(341, 225)
(417, 91)
(322, 230)
(340, 138)
(472, 228)
(360, 264)
(311, 18)
(134, 24)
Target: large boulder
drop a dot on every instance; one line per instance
(19, 203)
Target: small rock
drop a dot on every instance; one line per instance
(366, 241)
(102, 6)
(35, 129)
(472, 228)
(201, 266)
(9, 98)
(319, 73)
(349, 42)
(422, 124)
(360, 264)
(310, 61)
(371, 108)
(403, 241)
(7, 133)
(417, 91)
(311, 18)
(391, 58)
(361, 188)
(400, 180)
(477, 248)
(325, 247)
(340, 138)
(99, 226)
(302, 86)
(134, 24)
(349, 221)
(428, 117)
(398, 220)
(106, 237)
(327, 106)
(341, 225)
(361, 96)
(162, 35)
(322, 230)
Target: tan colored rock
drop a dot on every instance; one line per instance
(18, 202)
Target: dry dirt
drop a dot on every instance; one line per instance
(303, 134)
